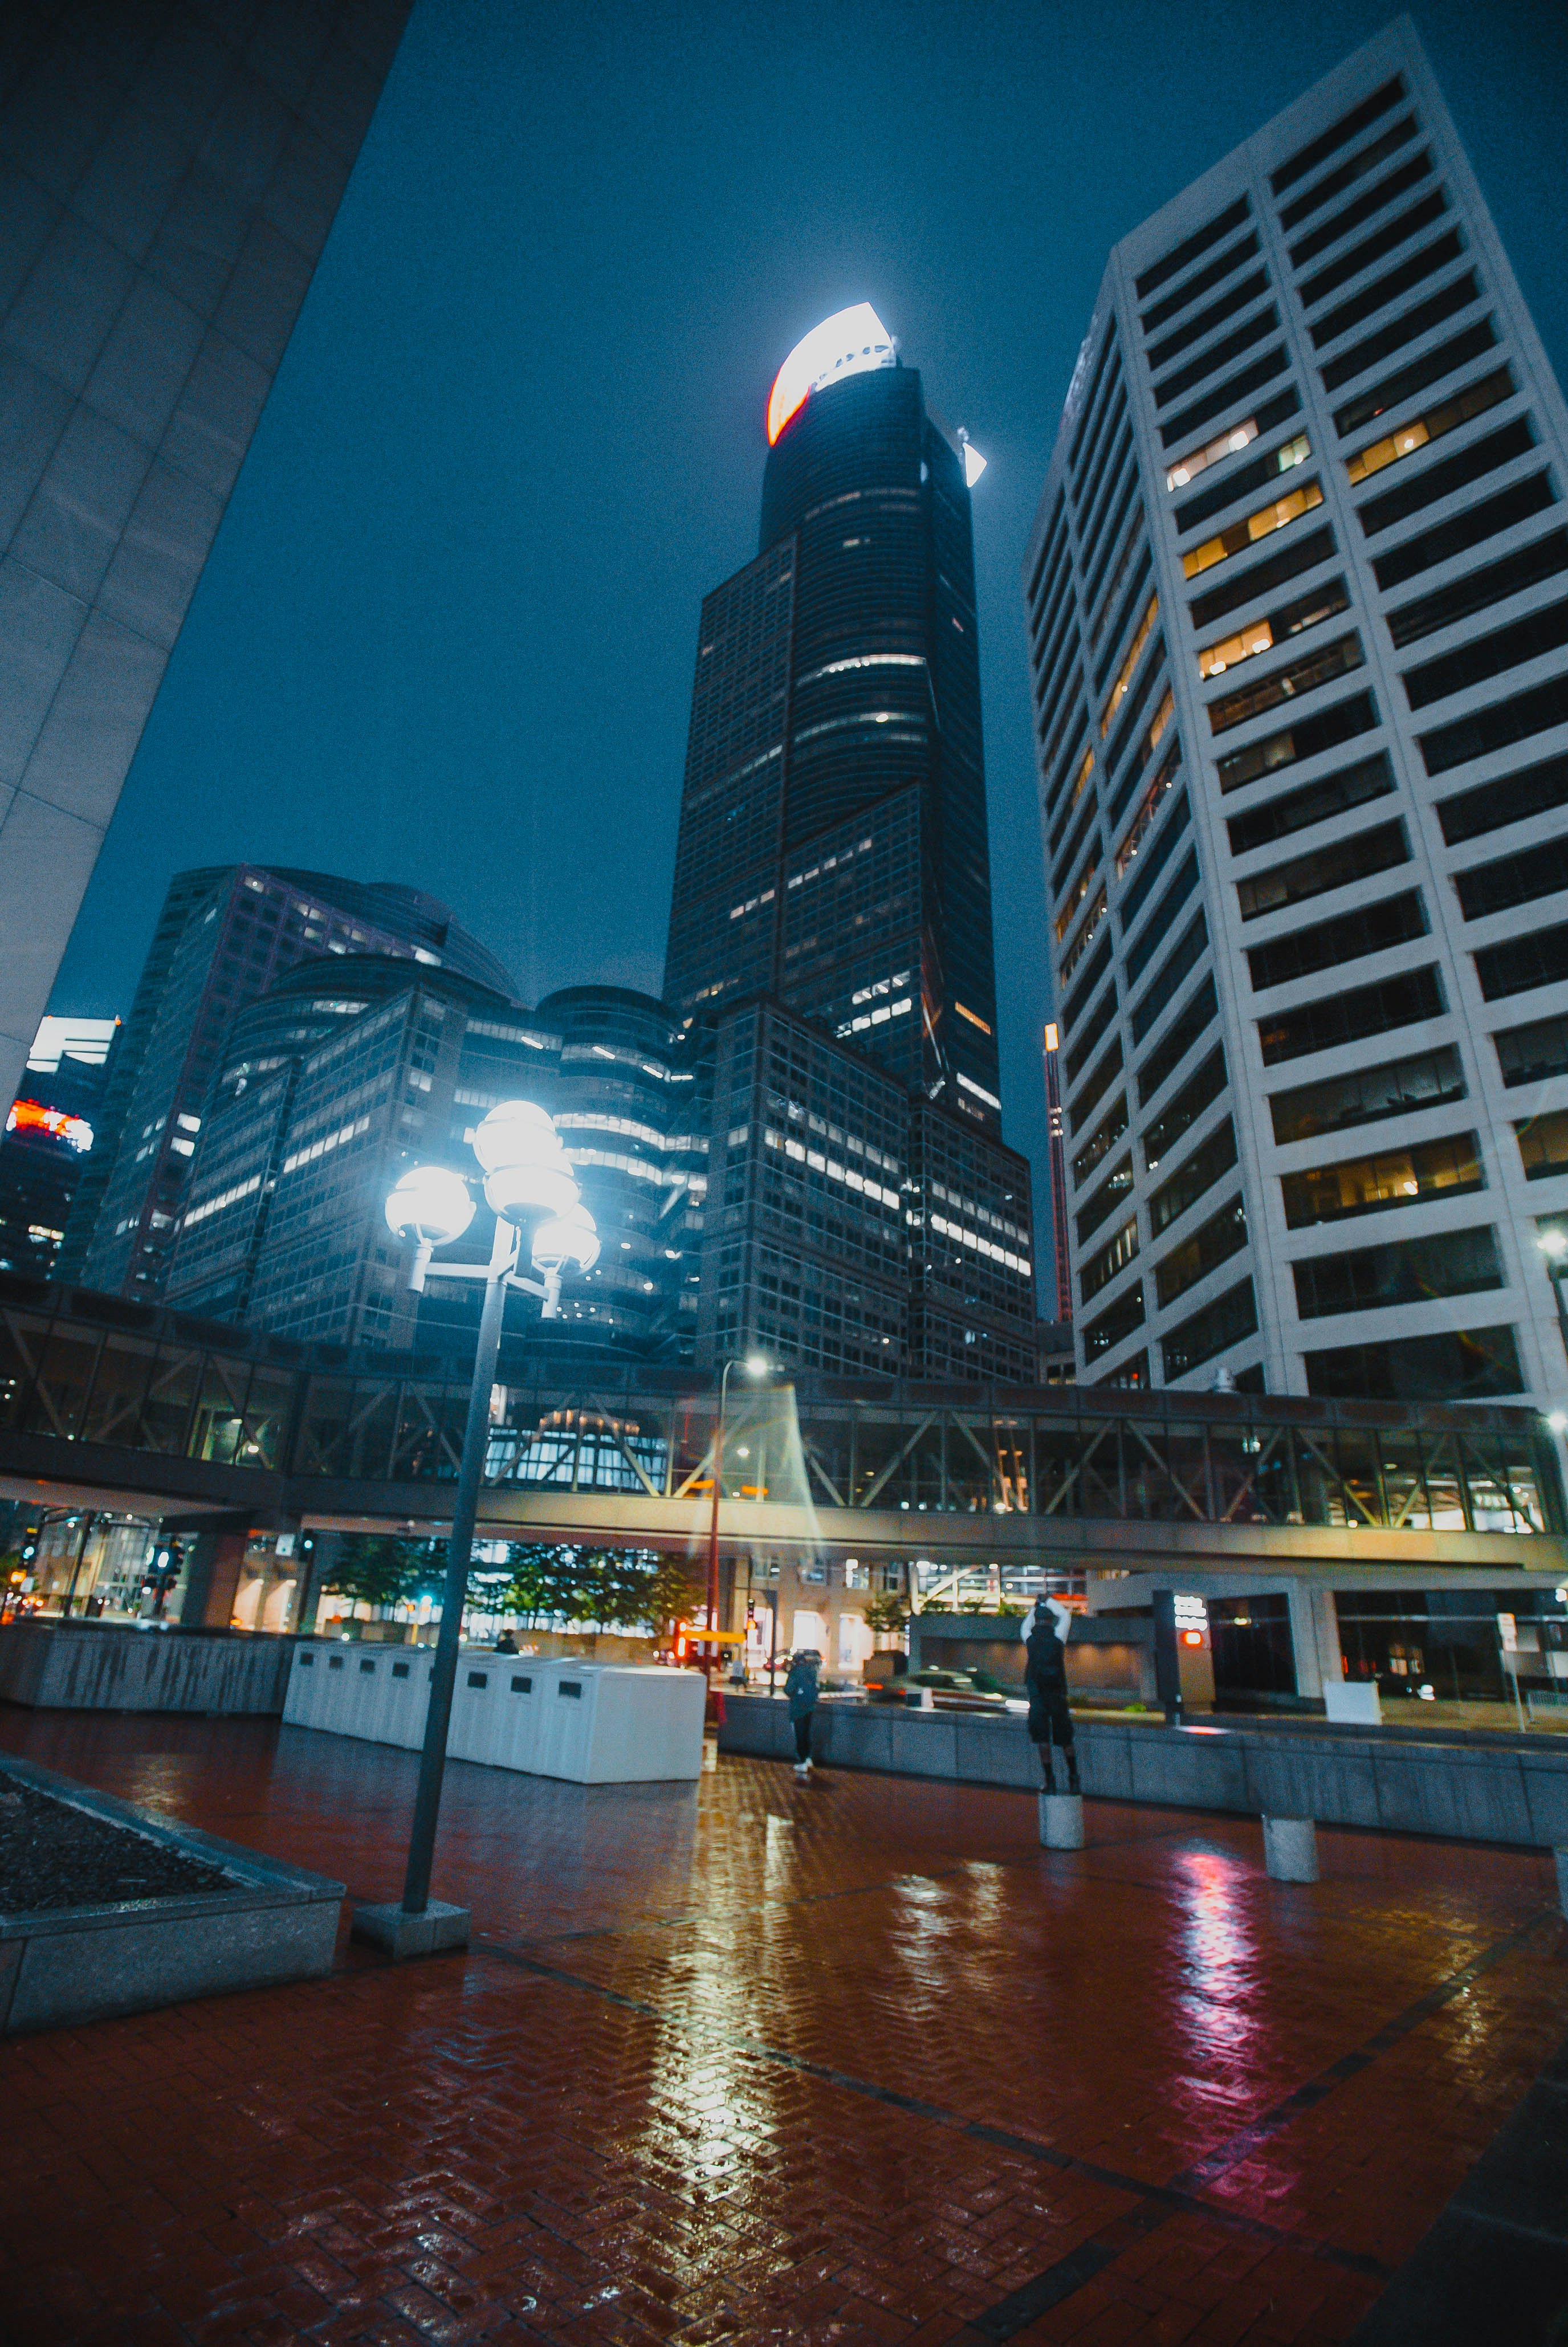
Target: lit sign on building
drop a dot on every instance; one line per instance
(32, 1116)
(848, 342)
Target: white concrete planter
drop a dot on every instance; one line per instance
(591, 1722)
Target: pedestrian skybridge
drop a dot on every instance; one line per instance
(108, 1403)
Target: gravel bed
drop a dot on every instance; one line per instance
(52, 1856)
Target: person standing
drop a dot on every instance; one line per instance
(801, 1694)
(1045, 1633)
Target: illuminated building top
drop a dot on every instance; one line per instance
(848, 342)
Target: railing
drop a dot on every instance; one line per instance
(75, 1369)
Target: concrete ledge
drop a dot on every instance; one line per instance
(438, 1930)
(103, 1666)
(1390, 1782)
(63, 1965)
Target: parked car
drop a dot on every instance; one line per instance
(951, 1690)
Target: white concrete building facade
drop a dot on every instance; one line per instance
(1297, 600)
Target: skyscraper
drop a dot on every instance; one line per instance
(833, 845)
(49, 1136)
(223, 935)
(1297, 595)
(831, 913)
(168, 176)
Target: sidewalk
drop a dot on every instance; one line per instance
(760, 2061)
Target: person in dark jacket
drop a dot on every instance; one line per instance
(1045, 1634)
(800, 1693)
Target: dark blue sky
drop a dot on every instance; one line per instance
(447, 630)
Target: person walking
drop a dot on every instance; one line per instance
(801, 1694)
(1045, 1633)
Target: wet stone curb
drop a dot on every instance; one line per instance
(261, 1923)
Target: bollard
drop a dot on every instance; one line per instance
(1290, 1849)
(1562, 1858)
(1062, 1820)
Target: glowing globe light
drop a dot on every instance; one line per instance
(517, 1191)
(849, 342)
(568, 1238)
(430, 1205)
(516, 1132)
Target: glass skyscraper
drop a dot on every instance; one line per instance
(833, 847)
(1297, 596)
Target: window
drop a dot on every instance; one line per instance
(1363, 1095)
(1333, 865)
(1419, 376)
(1139, 829)
(1410, 996)
(1336, 182)
(1150, 742)
(1365, 208)
(1377, 295)
(1229, 1320)
(1218, 270)
(1198, 460)
(1508, 880)
(1247, 532)
(1099, 963)
(1288, 683)
(1241, 483)
(1527, 639)
(1167, 1056)
(1076, 893)
(1198, 243)
(1204, 322)
(1174, 972)
(1521, 963)
(1102, 1267)
(1497, 728)
(1368, 1186)
(1445, 480)
(1100, 1143)
(1455, 1364)
(1408, 327)
(1080, 943)
(1353, 787)
(1115, 1188)
(1402, 1271)
(1325, 729)
(1186, 1108)
(1371, 249)
(1328, 142)
(1197, 1173)
(1115, 1324)
(1301, 554)
(1325, 602)
(1062, 865)
(1472, 527)
(1236, 392)
(1136, 544)
(1528, 1055)
(1153, 862)
(1326, 945)
(1489, 391)
(1124, 675)
(1093, 1028)
(1161, 918)
(1545, 558)
(1543, 1145)
(1094, 1084)
(1214, 1242)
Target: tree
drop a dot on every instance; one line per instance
(375, 1569)
(886, 1616)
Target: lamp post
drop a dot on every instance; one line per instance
(756, 1365)
(527, 1180)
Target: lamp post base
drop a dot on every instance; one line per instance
(399, 1934)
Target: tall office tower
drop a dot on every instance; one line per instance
(1297, 595)
(169, 175)
(223, 935)
(49, 1136)
(1062, 1247)
(340, 1078)
(833, 845)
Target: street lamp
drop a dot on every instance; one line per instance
(527, 1180)
(755, 1365)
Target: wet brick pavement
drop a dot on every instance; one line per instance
(765, 2062)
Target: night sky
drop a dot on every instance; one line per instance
(447, 631)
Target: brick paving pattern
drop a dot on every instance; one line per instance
(766, 2062)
